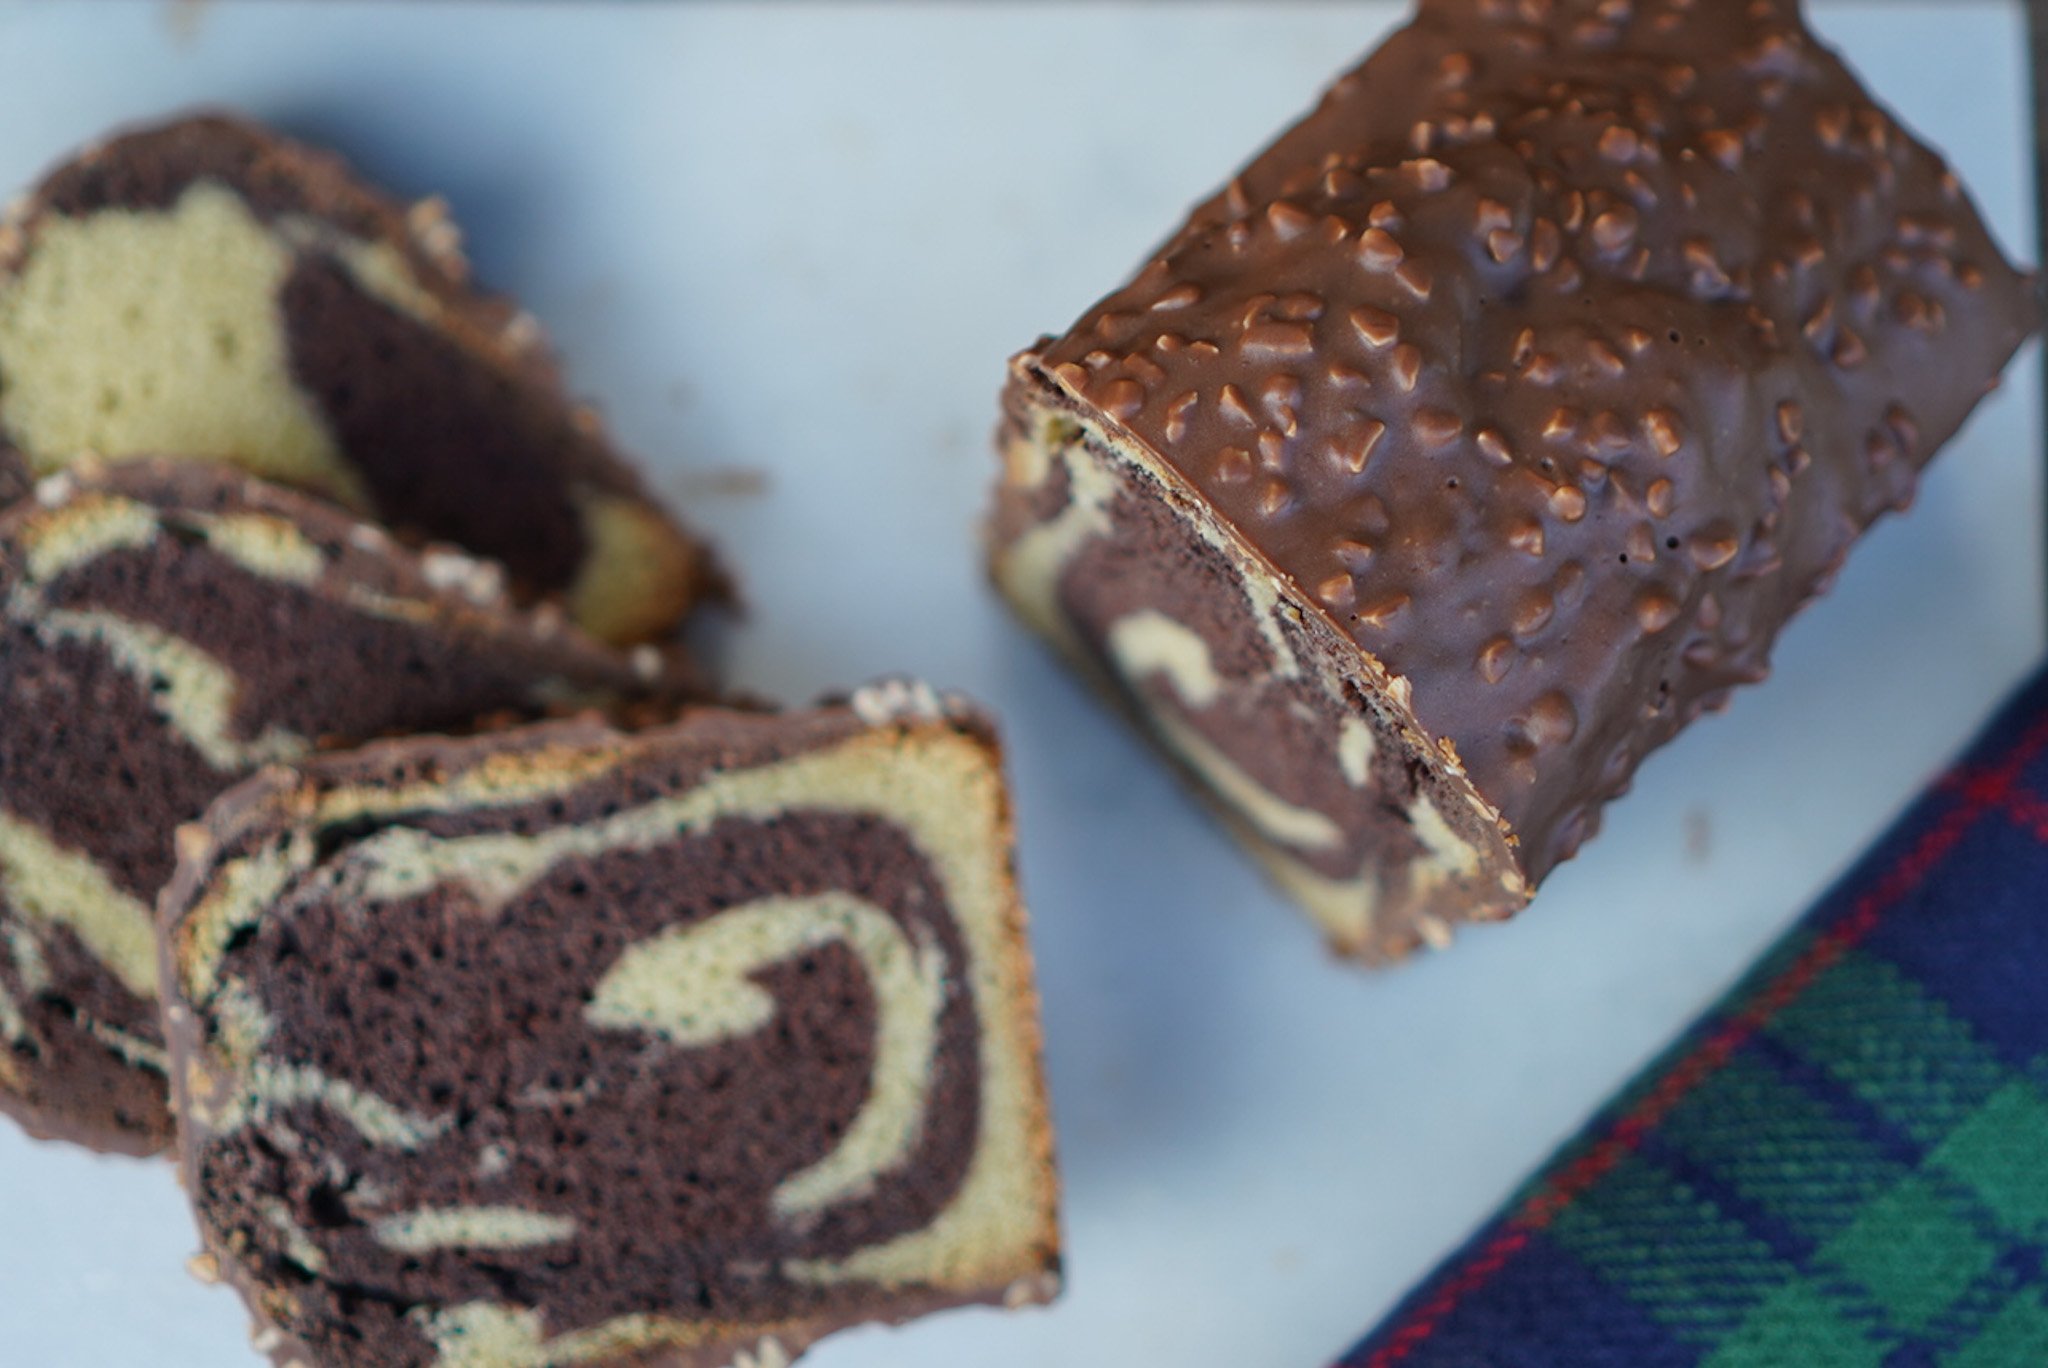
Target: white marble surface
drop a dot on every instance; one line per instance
(799, 242)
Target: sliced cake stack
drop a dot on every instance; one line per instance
(578, 1046)
(502, 1041)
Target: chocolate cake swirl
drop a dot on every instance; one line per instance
(567, 1045)
(170, 627)
(210, 289)
(1489, 426)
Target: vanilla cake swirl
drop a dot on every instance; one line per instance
(573, 1046)
(170, 627)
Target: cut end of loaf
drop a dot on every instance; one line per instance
(1303, 744)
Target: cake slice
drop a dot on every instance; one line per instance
(210, 289)
(573, 1046)
(170, 627)
(1489, 426)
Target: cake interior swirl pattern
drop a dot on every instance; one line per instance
(573, 1046)
(168, 628)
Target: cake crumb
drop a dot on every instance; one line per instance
(1699, 836)
(897, 700)
(184, 17)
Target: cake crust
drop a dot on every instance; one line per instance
(705, 1040)
(1552, 362)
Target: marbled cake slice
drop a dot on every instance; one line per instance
(568, 1046)
(211, 289)
(170, 627)
(1489, 426)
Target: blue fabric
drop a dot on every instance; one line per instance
(1844, 1164)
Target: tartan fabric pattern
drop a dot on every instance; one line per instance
(1844, 1164)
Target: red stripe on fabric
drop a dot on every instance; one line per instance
(2030, 812)
(1980, 792)
(1469, 1279)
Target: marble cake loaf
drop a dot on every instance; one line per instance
(210, 289)
(1489, 426)
(170, 627)
(574, 1046)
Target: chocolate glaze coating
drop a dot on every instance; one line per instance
(1558, 357)
(95, 758)
(659, 1160)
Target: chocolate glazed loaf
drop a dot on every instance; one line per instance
(1489, 426)
(169, 627)
(683, 1047)
(209, 289)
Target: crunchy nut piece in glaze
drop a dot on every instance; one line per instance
(1500, 413)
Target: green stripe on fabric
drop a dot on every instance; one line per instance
(1896, 1047)
(1702, 1289)
(1913, 1251)
(1997, 1153)
(1986, 1300)
(1796, 1325)
(1813, 1172)
(2016, 1335)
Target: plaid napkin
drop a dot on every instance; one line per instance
(1843, 1165)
